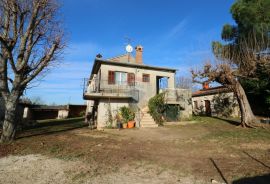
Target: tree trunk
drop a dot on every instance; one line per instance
(247, 117)
(9, 125)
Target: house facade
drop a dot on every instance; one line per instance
(215, 101)
(127, 81)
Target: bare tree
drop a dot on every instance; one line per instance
(183, 82)
(31, 39)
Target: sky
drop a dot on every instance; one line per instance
(173, 33)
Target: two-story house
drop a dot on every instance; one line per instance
(127, 81)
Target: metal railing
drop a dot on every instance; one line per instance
(117, 88)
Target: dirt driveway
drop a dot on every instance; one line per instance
(190, 153)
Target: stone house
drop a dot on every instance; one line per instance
(215, 101)
(127, 81)
(33, 112)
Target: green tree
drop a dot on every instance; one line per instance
(242, 53)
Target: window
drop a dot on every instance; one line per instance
(131, 79)
(120, 78)
(196, 105)
(146, 78)
(111, 79)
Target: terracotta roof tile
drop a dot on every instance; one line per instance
(211, 91)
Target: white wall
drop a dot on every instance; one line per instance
(62, 114)
(146, 89)
(103, 108)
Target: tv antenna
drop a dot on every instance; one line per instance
(129, 48)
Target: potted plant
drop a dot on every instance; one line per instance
(128, 117)
(131, 122)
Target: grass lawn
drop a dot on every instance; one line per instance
(211, 148)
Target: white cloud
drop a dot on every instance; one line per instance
(177, 29)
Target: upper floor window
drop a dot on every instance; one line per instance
(131, 79)
(111, 77)
(122, 78)
(146, 78)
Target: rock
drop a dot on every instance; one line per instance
(214, 181)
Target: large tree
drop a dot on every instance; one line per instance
(31, 39)
(243, 52)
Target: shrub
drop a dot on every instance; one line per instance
(127, 114)
(223, 105)
(157, 107)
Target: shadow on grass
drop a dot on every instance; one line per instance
(264, 179)
(227, 120)
(51, 127)
(218, 170)
(255, 159)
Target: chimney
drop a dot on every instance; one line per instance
(205, 85)
(139, 51)
(99, 56)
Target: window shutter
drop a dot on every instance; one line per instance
(111, 79)
(131, 79)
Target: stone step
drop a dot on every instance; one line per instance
(148, 118)
(149, 126)
(148, 122)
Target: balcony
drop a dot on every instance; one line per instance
(102, 89)
(176, 95)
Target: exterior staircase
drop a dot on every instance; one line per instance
(147, 121)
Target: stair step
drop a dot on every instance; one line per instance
(148, 118)
(148, 122)
(149, 126)
(147, 115)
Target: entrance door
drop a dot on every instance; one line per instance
(207, 107)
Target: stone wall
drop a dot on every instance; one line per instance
(181, 97)
(200, 101)
(107, 106)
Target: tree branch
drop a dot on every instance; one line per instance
(43, 63)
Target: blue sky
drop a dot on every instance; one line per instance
(173, 33)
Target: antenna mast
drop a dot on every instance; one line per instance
(129, 48)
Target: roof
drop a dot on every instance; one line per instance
(211, 91)
(98, 62)
(48, 107)
(123, 58)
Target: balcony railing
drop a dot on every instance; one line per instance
(104, 88)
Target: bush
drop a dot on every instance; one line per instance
(127, 114)
(157, 107)
(223, 105)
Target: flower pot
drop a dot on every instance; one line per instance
(131, 124)
(124, 125)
